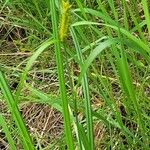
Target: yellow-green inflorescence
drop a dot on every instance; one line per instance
(64, 22)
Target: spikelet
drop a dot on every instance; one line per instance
(64, 22)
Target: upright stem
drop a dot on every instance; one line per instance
(59, 61)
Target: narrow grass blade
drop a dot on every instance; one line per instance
(26, 139)
(146, 13)
(5, 129)
(6, 1)
(127, 84)
(98, 14)
(46, 99)
(85, 85)
(102, 46)
(29, 65)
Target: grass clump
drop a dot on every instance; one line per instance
(85, 65)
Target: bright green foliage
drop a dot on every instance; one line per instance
(99, 55)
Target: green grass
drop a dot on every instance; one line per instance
(27, 142)
(60, 68)
(96, 78)
(7, 132)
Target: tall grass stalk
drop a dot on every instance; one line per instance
(89, 119)
(60, 68)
